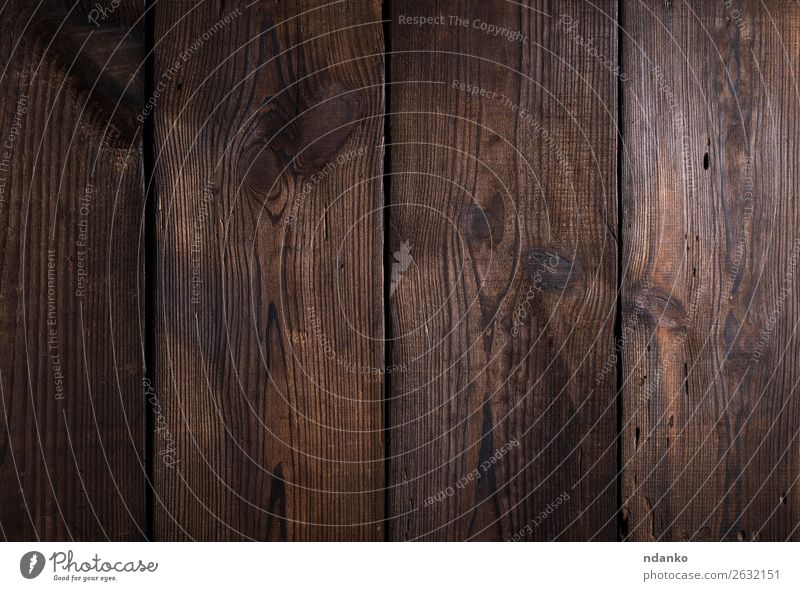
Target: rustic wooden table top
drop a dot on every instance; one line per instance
(412, 270)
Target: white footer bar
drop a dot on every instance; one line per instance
(418, 567)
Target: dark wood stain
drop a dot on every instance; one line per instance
(702, 185)
(277, 438)
(476, 380)
(557, 280)
(71, 320)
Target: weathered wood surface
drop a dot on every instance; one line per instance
(503, 187)
(269, 305)
(559, 304)
(72, 463)
(710, 254)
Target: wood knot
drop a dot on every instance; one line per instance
(553, 271)
(665, 309)
(267, 153)
(260, 168)
(328, 119)
(484, 223)
(478, 225)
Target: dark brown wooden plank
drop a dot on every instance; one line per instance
(71, 200)
(710, 257)
(505, 197)
(269, 160)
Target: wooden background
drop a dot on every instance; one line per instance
(307, 270)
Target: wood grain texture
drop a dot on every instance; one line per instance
(269, 313)
(710, 292)
(506, 198)
(71, 199)
(435, 351)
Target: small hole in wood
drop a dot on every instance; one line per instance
(705, 161)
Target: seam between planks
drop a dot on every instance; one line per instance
(621, 521)
(388, 333)
(150, 265)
